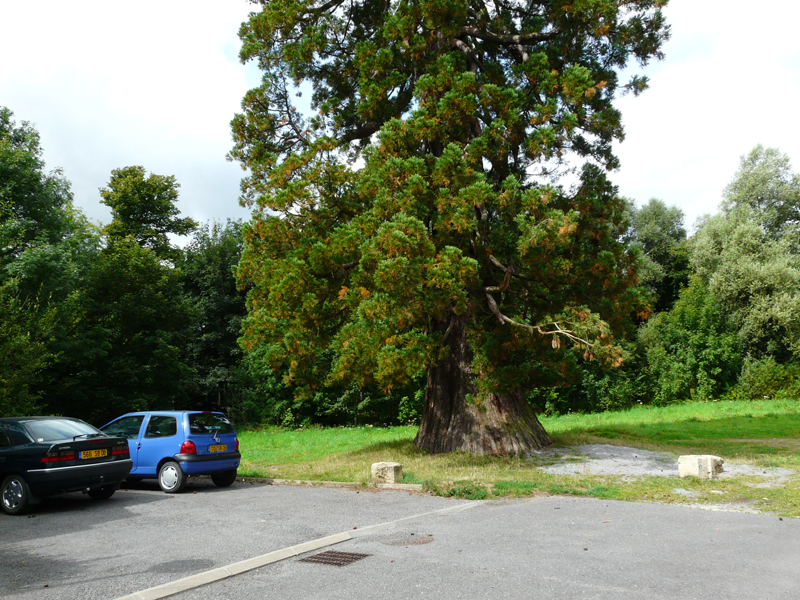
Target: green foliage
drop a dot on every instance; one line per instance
(123, 349)
(659, 231)
(42, 240)
(219, 379)
(692, 352)
(468, 490)
(755, 278)
(588, 387)
(143, 207)
(452, 217)
(24, 334)
(272, 399)
(765, 184)
(33, 203)
(766, 379)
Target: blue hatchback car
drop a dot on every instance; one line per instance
(173, 445)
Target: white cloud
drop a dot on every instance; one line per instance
(727, 83)
(156, 83)
(112, 84)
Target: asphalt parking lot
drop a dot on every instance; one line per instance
(554, 547)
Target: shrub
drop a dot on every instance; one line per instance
(692, 352)
(766, 379)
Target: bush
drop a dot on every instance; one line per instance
(271, 400)
(692, 352)
(765, 379)
(592, 388)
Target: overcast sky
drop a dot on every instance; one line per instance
(156, 83)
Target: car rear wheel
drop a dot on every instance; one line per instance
(102, 493)
(171, 477)
(224, 478)
(14, 495)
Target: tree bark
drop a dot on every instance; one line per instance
(453, 420)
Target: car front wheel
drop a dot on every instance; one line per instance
(224, 478)
(15, 495)
(171, 477)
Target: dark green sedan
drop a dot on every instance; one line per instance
(43, 456)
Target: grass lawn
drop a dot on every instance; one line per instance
(762, 433)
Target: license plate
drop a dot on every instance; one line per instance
(220, 448)
(93, 453)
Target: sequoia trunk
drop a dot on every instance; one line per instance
(499, 424)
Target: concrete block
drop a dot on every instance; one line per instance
(387, 472)
(704, 466)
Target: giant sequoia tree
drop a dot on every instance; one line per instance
(408, 219)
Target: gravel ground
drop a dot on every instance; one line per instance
(605, 459)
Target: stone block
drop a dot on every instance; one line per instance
(387, 472)
(704, 466)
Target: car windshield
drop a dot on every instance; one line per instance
(49, 430)
(209, 423)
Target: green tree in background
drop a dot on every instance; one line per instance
(33, 203)
(735, 328)
(748, 255)
(755, 278)
(144, 207)
(24, 333)
(450, 250)
(124, 349)
(765, 183)
(42, 242)
(692, 352)
(659, 231)
(209, 285)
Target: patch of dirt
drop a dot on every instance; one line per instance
(605, 459)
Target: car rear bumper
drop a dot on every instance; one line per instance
(55, 480)
(201, 464)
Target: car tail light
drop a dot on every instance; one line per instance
(119, 451)
(188, 447)
(52, 457)
(237, 444)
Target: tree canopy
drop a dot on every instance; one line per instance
(659, 231)
(408, 220)
(144, 207)
(748, 254)
(33, 203)
(766, 185)
(207, 274)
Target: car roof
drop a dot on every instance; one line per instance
(37, 418)
(173, 413)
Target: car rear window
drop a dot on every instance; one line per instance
(12, 434)
(160, 426)
(209, 423)
(50, 430)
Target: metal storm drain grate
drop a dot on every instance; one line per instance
(337, 559)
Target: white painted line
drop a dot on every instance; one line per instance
(200, 579)
(392, 524)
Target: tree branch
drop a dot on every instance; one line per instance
(502, 287)
(359, 133)
(476, 62)
(494, 38)
(567, 333)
